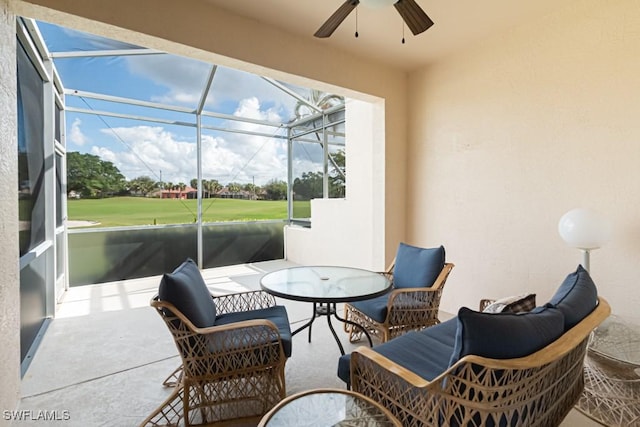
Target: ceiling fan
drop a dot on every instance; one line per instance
(411, 13)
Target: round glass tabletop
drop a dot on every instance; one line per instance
(618, 339)
(328, 407)
(325, 284)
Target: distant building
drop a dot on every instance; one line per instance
(225, 193)
(187, 193)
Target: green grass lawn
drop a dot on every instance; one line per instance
(123, 211)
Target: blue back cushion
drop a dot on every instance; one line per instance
(506, 335)
(576, 297)
(417, 267)
(186, 290)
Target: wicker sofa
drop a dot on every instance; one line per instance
(482, 369)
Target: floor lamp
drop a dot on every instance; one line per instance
(586, 230)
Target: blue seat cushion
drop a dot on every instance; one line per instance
(276, 314)
(186, 290)
(506, 335)
(376, 308)
(417, 267)
(576, 297)
(438, 342)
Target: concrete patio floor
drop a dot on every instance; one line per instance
(103, 358)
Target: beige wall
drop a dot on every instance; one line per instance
(9, 284)
(509, 135)
(198, 29)
(347, 231)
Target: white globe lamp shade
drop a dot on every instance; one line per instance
(584, 229)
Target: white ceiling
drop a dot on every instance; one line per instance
(458, 23)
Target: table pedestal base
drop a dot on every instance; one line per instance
(329, 310)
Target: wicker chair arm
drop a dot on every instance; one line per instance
(243, 301)
(160, 305)
(237, 326)
(387, 274)
(363, 358)
(399, 293)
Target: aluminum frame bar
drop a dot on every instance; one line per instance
(129, 116)
(112, 52)
(128, 101)
(292, 93)
(203, 100)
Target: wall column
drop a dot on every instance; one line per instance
(9, 252)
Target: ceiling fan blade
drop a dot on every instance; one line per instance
(336, 19)
(413, 16)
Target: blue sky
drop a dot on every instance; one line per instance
(146, 148)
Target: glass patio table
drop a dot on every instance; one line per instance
(328, 407)
(325, 286)
(611, 393)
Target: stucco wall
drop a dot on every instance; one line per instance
(200, 30)
(349, 231)
(509, 135)
(9, 285)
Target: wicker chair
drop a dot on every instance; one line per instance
(229, 371)
(405, 308)
(537, 390)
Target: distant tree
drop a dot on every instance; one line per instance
(91, 176)
(308, 186)
(276, 190)
(211, 186)
(234, 187)
(143, 185)
(194, 183)
(215, 185)
(251, 188)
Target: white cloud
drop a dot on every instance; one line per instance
(231, 157)
(184, 80)
(75, 134)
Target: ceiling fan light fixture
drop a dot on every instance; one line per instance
(377, 4)
(411, 14)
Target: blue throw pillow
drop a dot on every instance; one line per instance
(576, 297)
(186, 290)
(506, 335)
(417, 267)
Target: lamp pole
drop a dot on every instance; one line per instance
(586, 254)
